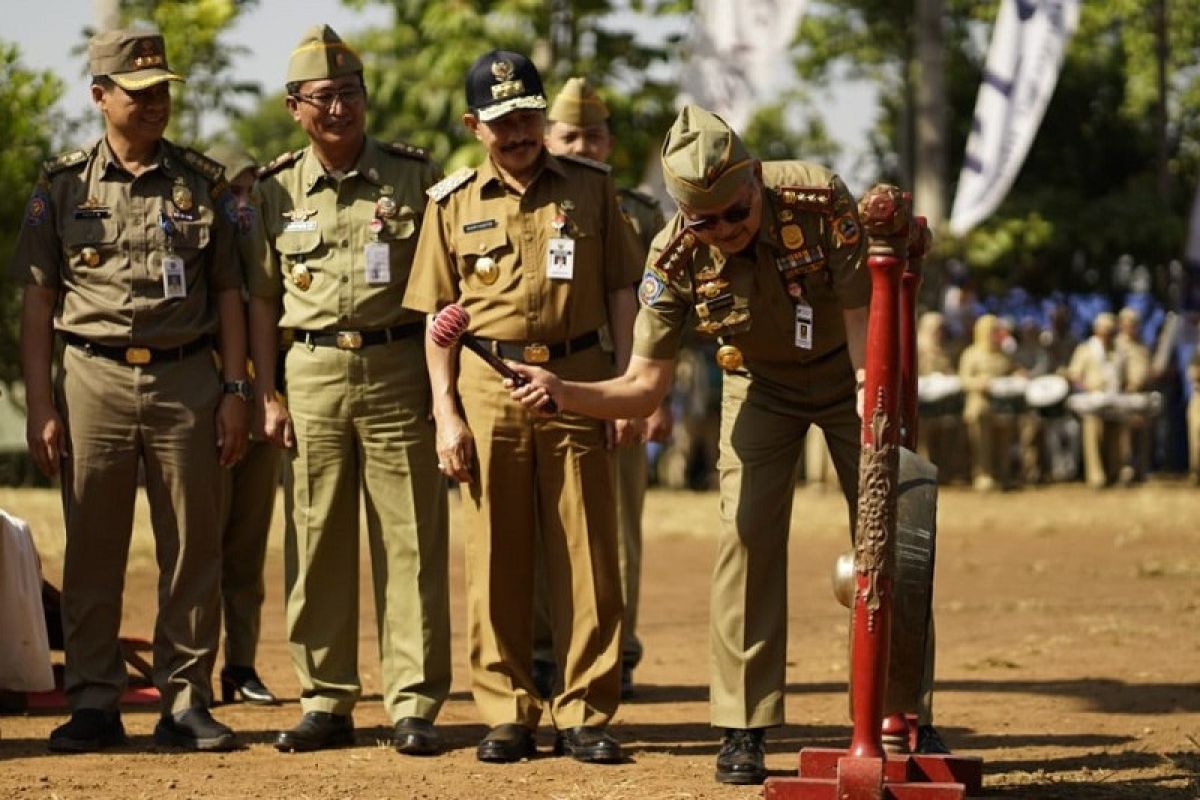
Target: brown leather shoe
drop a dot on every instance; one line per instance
(505, 744)
(414, 736)
(590, 744)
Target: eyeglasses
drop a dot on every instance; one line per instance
(732, 215)
(325, 100)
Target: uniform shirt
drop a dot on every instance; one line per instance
(1138, 364)
(1096, 368)
(978, 365)
(829, 241)
(95, 233)
(644, 214)
(483, 218)
(311, 233)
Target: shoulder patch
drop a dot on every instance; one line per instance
(406, 150)
(651, 287)
(65, 161)
(443, 188)
(815, 199)
(587, 162)
(671, 260)
(280, 162)
(640, 197)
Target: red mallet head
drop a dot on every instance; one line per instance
(449, 325)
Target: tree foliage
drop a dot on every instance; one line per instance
(27, 123)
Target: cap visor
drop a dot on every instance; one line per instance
(497, 110)
(143, 79)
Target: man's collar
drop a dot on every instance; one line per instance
(489, 173)
(106, 160)
(367, 165)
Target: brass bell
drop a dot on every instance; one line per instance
(729, 358)
(301, 277)
(487, 270)
(90, 256)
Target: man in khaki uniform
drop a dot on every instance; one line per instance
(940, 429)
(334, 239)
(1098, 366)
(1138, 433)
(579, 126)
(250, 489)
(769, 257)
(535, 249)
(127, 250)
(990, 428)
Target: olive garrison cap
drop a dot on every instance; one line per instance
(704, 162)
(132, 59)
(233, 158)
(578, 104)
(503, 81)
(321, 54)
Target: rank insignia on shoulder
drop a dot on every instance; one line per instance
(587, 162)
(817, 199)
(651, 288)
(671, 260)
(846, 230)
(64, 161)
(443, 188)
(407, 150)
(281, 161)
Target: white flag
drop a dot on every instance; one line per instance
(739, 54)
(1023, 63)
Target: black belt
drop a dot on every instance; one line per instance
(356, 340)
(137, 355)
(540, 352)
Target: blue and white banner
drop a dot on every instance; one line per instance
(739, 54)
(1022, 69)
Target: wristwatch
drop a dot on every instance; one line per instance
(241, 388)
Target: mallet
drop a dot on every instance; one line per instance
(449, 326)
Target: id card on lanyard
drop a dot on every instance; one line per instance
(804, 325)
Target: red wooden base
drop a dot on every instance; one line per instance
(829, 774)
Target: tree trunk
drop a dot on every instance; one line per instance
(929, 169)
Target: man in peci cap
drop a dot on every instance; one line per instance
(250, 489)
(535, 249)
(768, 259)
(579, 126)
(128, 251)
(332, 246)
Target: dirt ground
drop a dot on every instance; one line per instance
(1068, 658)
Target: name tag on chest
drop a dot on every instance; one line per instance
(560, 259)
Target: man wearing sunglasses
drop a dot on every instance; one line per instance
(769, 260)
(335, 232)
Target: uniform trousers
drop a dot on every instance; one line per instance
(362, 425)
(1193, 431)
(250, 500)
(550, 478)
(1101, 439)
(163, 417)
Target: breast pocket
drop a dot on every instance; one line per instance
(300, 253)
(91, 245)
(486, 260)
(402, 226)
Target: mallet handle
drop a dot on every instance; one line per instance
(495, 362)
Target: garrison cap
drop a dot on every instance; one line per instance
(502, 81)
(578, 104)
(321, 54)
(704, 162)
(233, 158)
(132, 59)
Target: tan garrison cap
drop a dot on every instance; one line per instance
(704, 162)
(578, 104)
(133, 59)
(233, 158)
(321, 54)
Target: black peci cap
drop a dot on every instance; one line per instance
(502, 81)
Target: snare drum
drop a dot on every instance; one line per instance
(1007, 394)
(1047, 395)
(939, 395)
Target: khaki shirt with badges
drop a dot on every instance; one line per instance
(135, 259)
(339, 254)
(498, 252)
(781, 307)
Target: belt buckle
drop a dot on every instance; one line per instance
(349, 340)
(137, 356)
(536, 353)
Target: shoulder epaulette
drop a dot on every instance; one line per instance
(281, 161)
(641, 197)
(405, 149)
(214, 171)
(818, 199)
(587, 162)
(442, 189)
(65, 161)
(672, 257)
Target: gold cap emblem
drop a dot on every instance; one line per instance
(502, 69)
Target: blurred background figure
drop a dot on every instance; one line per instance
(1098, 367)
(1139, 379)
(989, 419)
(939, 400)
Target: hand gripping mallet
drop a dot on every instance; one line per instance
(449, 327)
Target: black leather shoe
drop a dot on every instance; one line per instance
(414, 736)
(317, 730)
(545, 676)
(506, 744)
(244, 682)
(741, 760)
(88, 730)
(590, 744)
(929, 741)
(194, 729)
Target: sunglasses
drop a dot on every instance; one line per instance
(732, 215)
